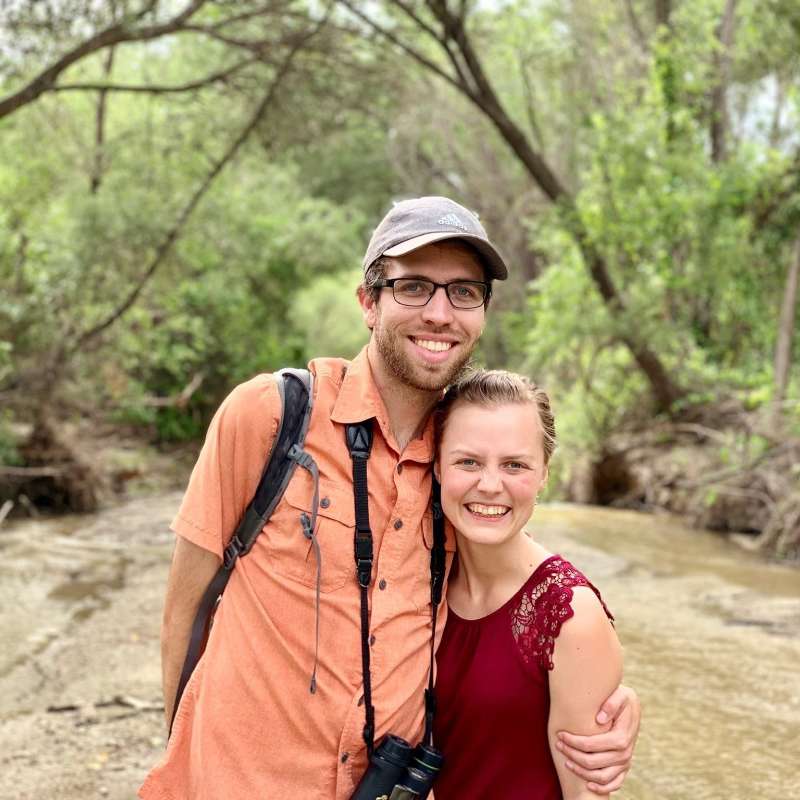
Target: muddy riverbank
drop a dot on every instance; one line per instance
(80, 705)
(712, 639)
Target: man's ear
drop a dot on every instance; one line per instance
(369, 306)
(437, 472)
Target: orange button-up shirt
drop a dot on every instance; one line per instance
(247, 725)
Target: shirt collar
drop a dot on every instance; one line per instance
(360, 400)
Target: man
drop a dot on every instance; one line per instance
(275, 709)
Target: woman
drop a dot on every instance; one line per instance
(528, 649)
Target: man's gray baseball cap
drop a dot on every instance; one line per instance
(412, 224)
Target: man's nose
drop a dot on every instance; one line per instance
(438, 309)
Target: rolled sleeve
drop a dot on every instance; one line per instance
(226, 475)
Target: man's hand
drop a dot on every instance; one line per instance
(603, 760)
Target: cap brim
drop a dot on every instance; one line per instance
(491, 257)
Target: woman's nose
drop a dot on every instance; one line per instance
(490, 481)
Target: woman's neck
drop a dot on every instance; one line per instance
(490, 574)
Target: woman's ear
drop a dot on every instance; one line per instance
(437, 472)
(545, 476)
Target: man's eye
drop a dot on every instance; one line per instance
(516, 465)
(410, 287)
(464, 290)
(467, 462)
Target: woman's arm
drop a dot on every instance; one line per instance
(587, 668)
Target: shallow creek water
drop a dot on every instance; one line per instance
(711, 633)
(712, 645)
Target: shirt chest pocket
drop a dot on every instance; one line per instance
(292, 554)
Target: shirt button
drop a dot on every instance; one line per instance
(372, 639)
(382, 584)
(345, 756)
(325, 502)
(399, 469)
(398, 523)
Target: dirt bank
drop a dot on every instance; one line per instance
(719, 474)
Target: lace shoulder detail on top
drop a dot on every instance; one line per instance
(542, 608)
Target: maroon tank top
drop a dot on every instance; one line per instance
(492, 692)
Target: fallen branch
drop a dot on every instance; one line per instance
(179, 400)
(31, 472)
(126, 701)
(6, 510)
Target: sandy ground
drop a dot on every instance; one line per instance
(80, 707)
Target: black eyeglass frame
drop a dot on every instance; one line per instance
(388, 283)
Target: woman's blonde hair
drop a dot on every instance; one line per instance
(487, 387)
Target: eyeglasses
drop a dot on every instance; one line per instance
(418, 292)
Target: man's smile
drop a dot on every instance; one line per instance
(432, 345)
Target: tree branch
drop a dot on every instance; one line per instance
(633, 18)
(191, 86)
(113, 35)
(407, 49)
(177, 228)
(437, 37)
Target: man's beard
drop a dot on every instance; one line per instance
(390, 347)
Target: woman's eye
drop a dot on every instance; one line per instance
(467, 462)
(516, 465)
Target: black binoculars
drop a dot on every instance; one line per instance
(398, 772)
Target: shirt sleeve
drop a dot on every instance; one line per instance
(227, 472)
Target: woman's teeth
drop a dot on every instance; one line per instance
(435, 347)
(487, 511)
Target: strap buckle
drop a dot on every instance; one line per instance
(298, 455)
(363, 554)
(232, 552)
(359, 440)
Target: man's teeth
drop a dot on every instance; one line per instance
(436, 347)
(488, 511)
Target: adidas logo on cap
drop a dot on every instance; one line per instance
(453, 221)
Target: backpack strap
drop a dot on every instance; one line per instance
(295, 388)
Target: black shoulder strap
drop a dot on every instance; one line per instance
(359, 442)
(295, 387)
(438, 566)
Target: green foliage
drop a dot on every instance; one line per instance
(328, 317)
(263, 272)
(8, 441)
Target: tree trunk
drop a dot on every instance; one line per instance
(722, 61)
(483, 95)
(663, 12)
(783, 345)
(98, 167)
